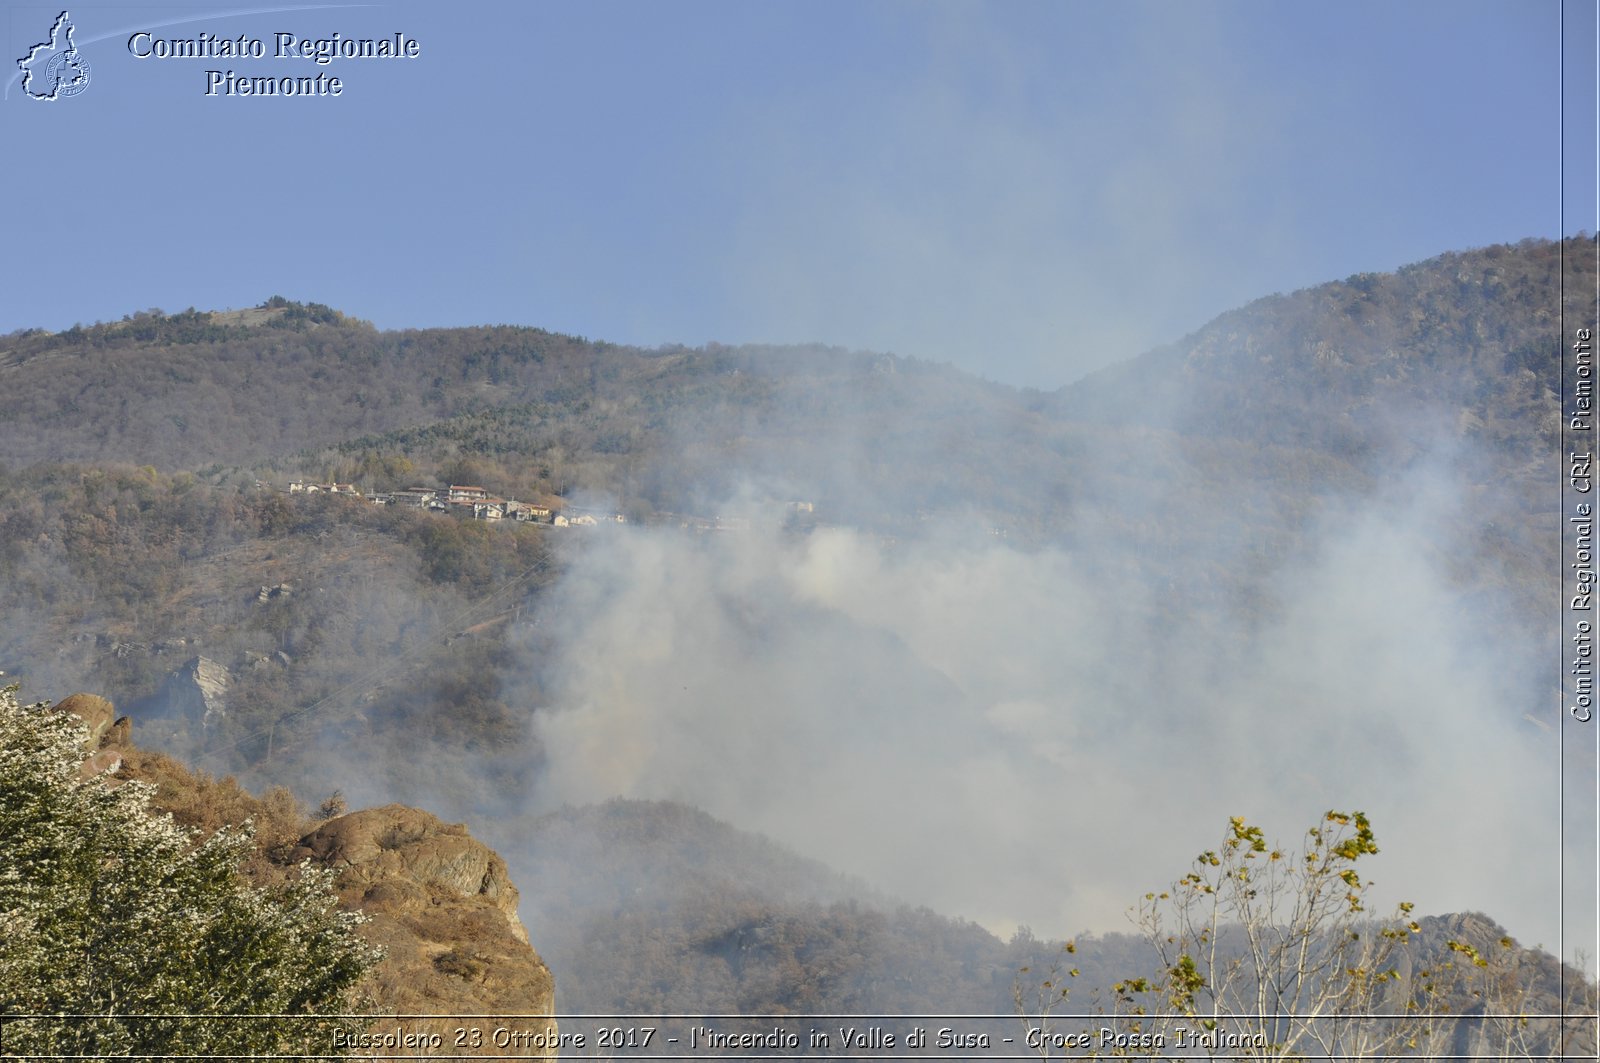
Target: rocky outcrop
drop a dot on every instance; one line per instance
(97, 713)
(440, 902)
(107, 734)
(442, 905)
(196, 693)
(397, 858)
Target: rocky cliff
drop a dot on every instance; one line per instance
(443, 907)
(196, 693)
(440, 902)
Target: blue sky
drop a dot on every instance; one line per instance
(1027, 190)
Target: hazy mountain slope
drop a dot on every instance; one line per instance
(651, 907)
(335, 624)
(1191, 473)
(1235, 434)
(1193, 468)
(657, 906)
(183, 391)
(1369, 365)
(1183, 495)
(1265, 410)
(1463, 337)
(1446, 367)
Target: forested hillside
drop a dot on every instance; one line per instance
(1362, 372)
(1195, 465)
(322, 617)
(1332, 390)
(149, 549)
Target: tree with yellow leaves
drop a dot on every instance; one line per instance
(1261, 953)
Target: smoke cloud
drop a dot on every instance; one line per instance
(1025, 736)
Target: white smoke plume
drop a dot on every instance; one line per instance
(1017, 737)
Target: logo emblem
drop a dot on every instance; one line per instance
(55, 69)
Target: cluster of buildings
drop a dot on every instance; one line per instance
(463, 500)
(476, 503)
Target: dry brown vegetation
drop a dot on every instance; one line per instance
(439, 902)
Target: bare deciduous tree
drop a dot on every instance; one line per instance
(1261, 953)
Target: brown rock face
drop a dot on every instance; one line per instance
(97, 714)
(107, 735)
(440, 902)
(399, 857)
(442, 905)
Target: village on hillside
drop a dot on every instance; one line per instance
(471, 502)
(466, 501)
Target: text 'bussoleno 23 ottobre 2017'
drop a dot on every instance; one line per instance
(280, 47)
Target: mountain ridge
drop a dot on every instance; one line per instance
(142, 511)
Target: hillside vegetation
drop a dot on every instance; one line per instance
(1194, 467)
(1267, 410)
(326, 617)
(148, 549)
(157, 898)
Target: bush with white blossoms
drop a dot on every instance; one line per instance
(121, 934)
